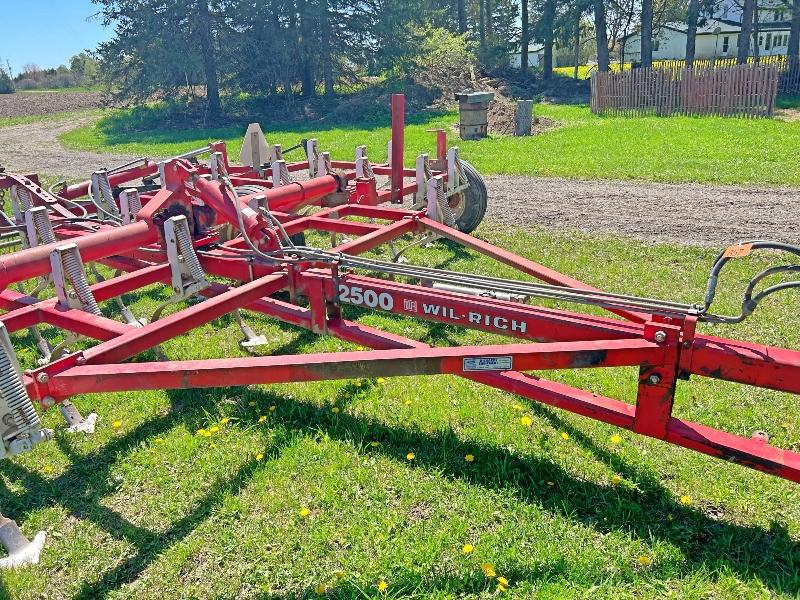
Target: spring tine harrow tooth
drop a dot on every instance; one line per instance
(20, 426)
(423, 172)
(438, 206)
(280, 173)
(188, 277)
(39, 227)
(21, 551)
(277, 153)
(126, 312)
(67, 268)
(312, 153)
(103, 198)
(76, 423)
(20, 202)
(251, 338)
(130, 204)
(324, 164)
(364, 168)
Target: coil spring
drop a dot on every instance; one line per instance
(186, 249)
(23, 200)
(134, 204)
(444, 207)
(284, 173)
(103, 193)
(12, 391)
(44, 228)
(74, 270)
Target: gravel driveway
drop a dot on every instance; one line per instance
(684, 213)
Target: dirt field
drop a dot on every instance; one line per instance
(654, 212)
(21, 104)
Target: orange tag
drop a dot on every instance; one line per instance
(738, 250)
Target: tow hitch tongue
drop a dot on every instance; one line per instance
(223, 239)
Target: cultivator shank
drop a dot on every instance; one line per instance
(231, 236)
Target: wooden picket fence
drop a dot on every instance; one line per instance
(747, 91)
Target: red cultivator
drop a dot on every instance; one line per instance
(233, 237)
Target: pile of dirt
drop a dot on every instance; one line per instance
(502, 116)
(22, 104)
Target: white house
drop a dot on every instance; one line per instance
(717, 36)
(535, 56)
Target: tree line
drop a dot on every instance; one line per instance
(309, 47)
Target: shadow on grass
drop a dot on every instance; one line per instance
(646, 512)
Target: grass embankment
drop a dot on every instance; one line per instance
(675, 149)
(347, 484)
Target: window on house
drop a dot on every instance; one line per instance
(761, 40)
(655, 45)
(779, 15)
(725, 41)
(769, 41)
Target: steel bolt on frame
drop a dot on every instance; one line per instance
(659, 338)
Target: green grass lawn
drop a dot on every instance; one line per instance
(310, 496)
(675, 149)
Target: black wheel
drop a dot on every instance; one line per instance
(469, 207)
(298, 239)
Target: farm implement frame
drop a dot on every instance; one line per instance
(232, 236)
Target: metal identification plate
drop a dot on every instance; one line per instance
(491, 363)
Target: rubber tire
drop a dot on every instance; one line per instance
(476, 200)
(298, 239)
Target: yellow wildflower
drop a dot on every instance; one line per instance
(381, 380)
(502, 584)
(335, 410)
(407, 402)
(304, 512)
(468, 548)
(213, 429)
(48, 469)
(212, 445)
(273, 408)
(518, 407)
(116, 424)
(685, 500)
(411, 456)
(488, 570)
(645, 560)
(320, 589)
(616, 479)
(469, 458)
(564, 435)
(225, 420)
(374, 443)
(259, 456)
(251, 403)
(382, 586)
(202, 432)
(526, 421)
(338, 574)
(616, 438)
(159, 440)
(262, 419)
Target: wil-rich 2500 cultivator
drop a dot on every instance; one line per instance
(233, 237)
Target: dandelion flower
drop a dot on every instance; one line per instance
(225, 420)
(273, 408)
(468, 548)
(616, 479)
(212, 445)
(159, 440)
(358, 383)
(645, 560)
(335, 409)
(213, 429)
(374, 443)
(685, 500)
(526, 421)
(564, 435)
(116, 424)
(304, 512)
(320, 589)
(411, 456)
(518, 407)
(48, 469)
(616, 438)
(360, 348)
(502, 584)
(251, 403)
(262, 419)
(469, 458)
(382, 586)
(338, 574)
(259, 456)
(407, 403)
(201, 432)
(488, 570)
(381, 380)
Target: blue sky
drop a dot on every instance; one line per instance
(47, 32)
